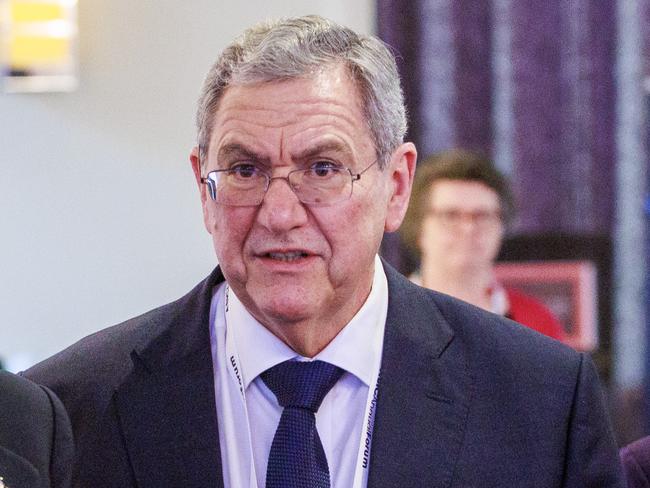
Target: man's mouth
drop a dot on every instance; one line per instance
(286, 257)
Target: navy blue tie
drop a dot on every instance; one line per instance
(297, 459)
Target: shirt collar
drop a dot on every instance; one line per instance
(352, 349)
(499, 303)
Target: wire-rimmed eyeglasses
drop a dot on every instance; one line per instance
(246, 184)
(454, 218)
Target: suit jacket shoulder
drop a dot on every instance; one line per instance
(469, 398)
(35, 436)
(130, 387)
(84, 373)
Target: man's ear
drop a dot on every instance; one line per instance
(196, 168)
(401, 171)
(195, 160)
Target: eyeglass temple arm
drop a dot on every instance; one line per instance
(212, 188)
(357, 177)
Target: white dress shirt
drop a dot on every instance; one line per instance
(248, 412)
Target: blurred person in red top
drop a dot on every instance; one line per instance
(455, 224)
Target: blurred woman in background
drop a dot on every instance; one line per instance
(455, 224)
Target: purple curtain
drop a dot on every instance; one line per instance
(530, 80)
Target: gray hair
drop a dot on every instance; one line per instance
(301, 47)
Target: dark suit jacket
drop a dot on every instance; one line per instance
(35, 436)
(466, 399)
(636, 463)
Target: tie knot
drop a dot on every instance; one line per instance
(301, 384)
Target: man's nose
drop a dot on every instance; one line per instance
(281, 210)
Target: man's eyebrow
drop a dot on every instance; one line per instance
(228, 151)
(319, 149)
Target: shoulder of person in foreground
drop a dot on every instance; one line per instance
(86, 374)
(36, 446)
(635, 458)
(520, 388)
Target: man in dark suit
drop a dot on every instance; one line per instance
(303, 359)
(35, 436)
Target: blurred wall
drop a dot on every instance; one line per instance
(99, 214)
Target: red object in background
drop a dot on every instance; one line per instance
(534, 314)
(567, 288)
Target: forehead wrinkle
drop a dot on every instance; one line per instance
(330, 105)
(243, 115)
(281, 145)
(311, 105)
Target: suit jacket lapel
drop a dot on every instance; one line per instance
(166, 407)
(423, 397)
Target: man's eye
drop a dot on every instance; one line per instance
(243, 171)
(323, 169)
